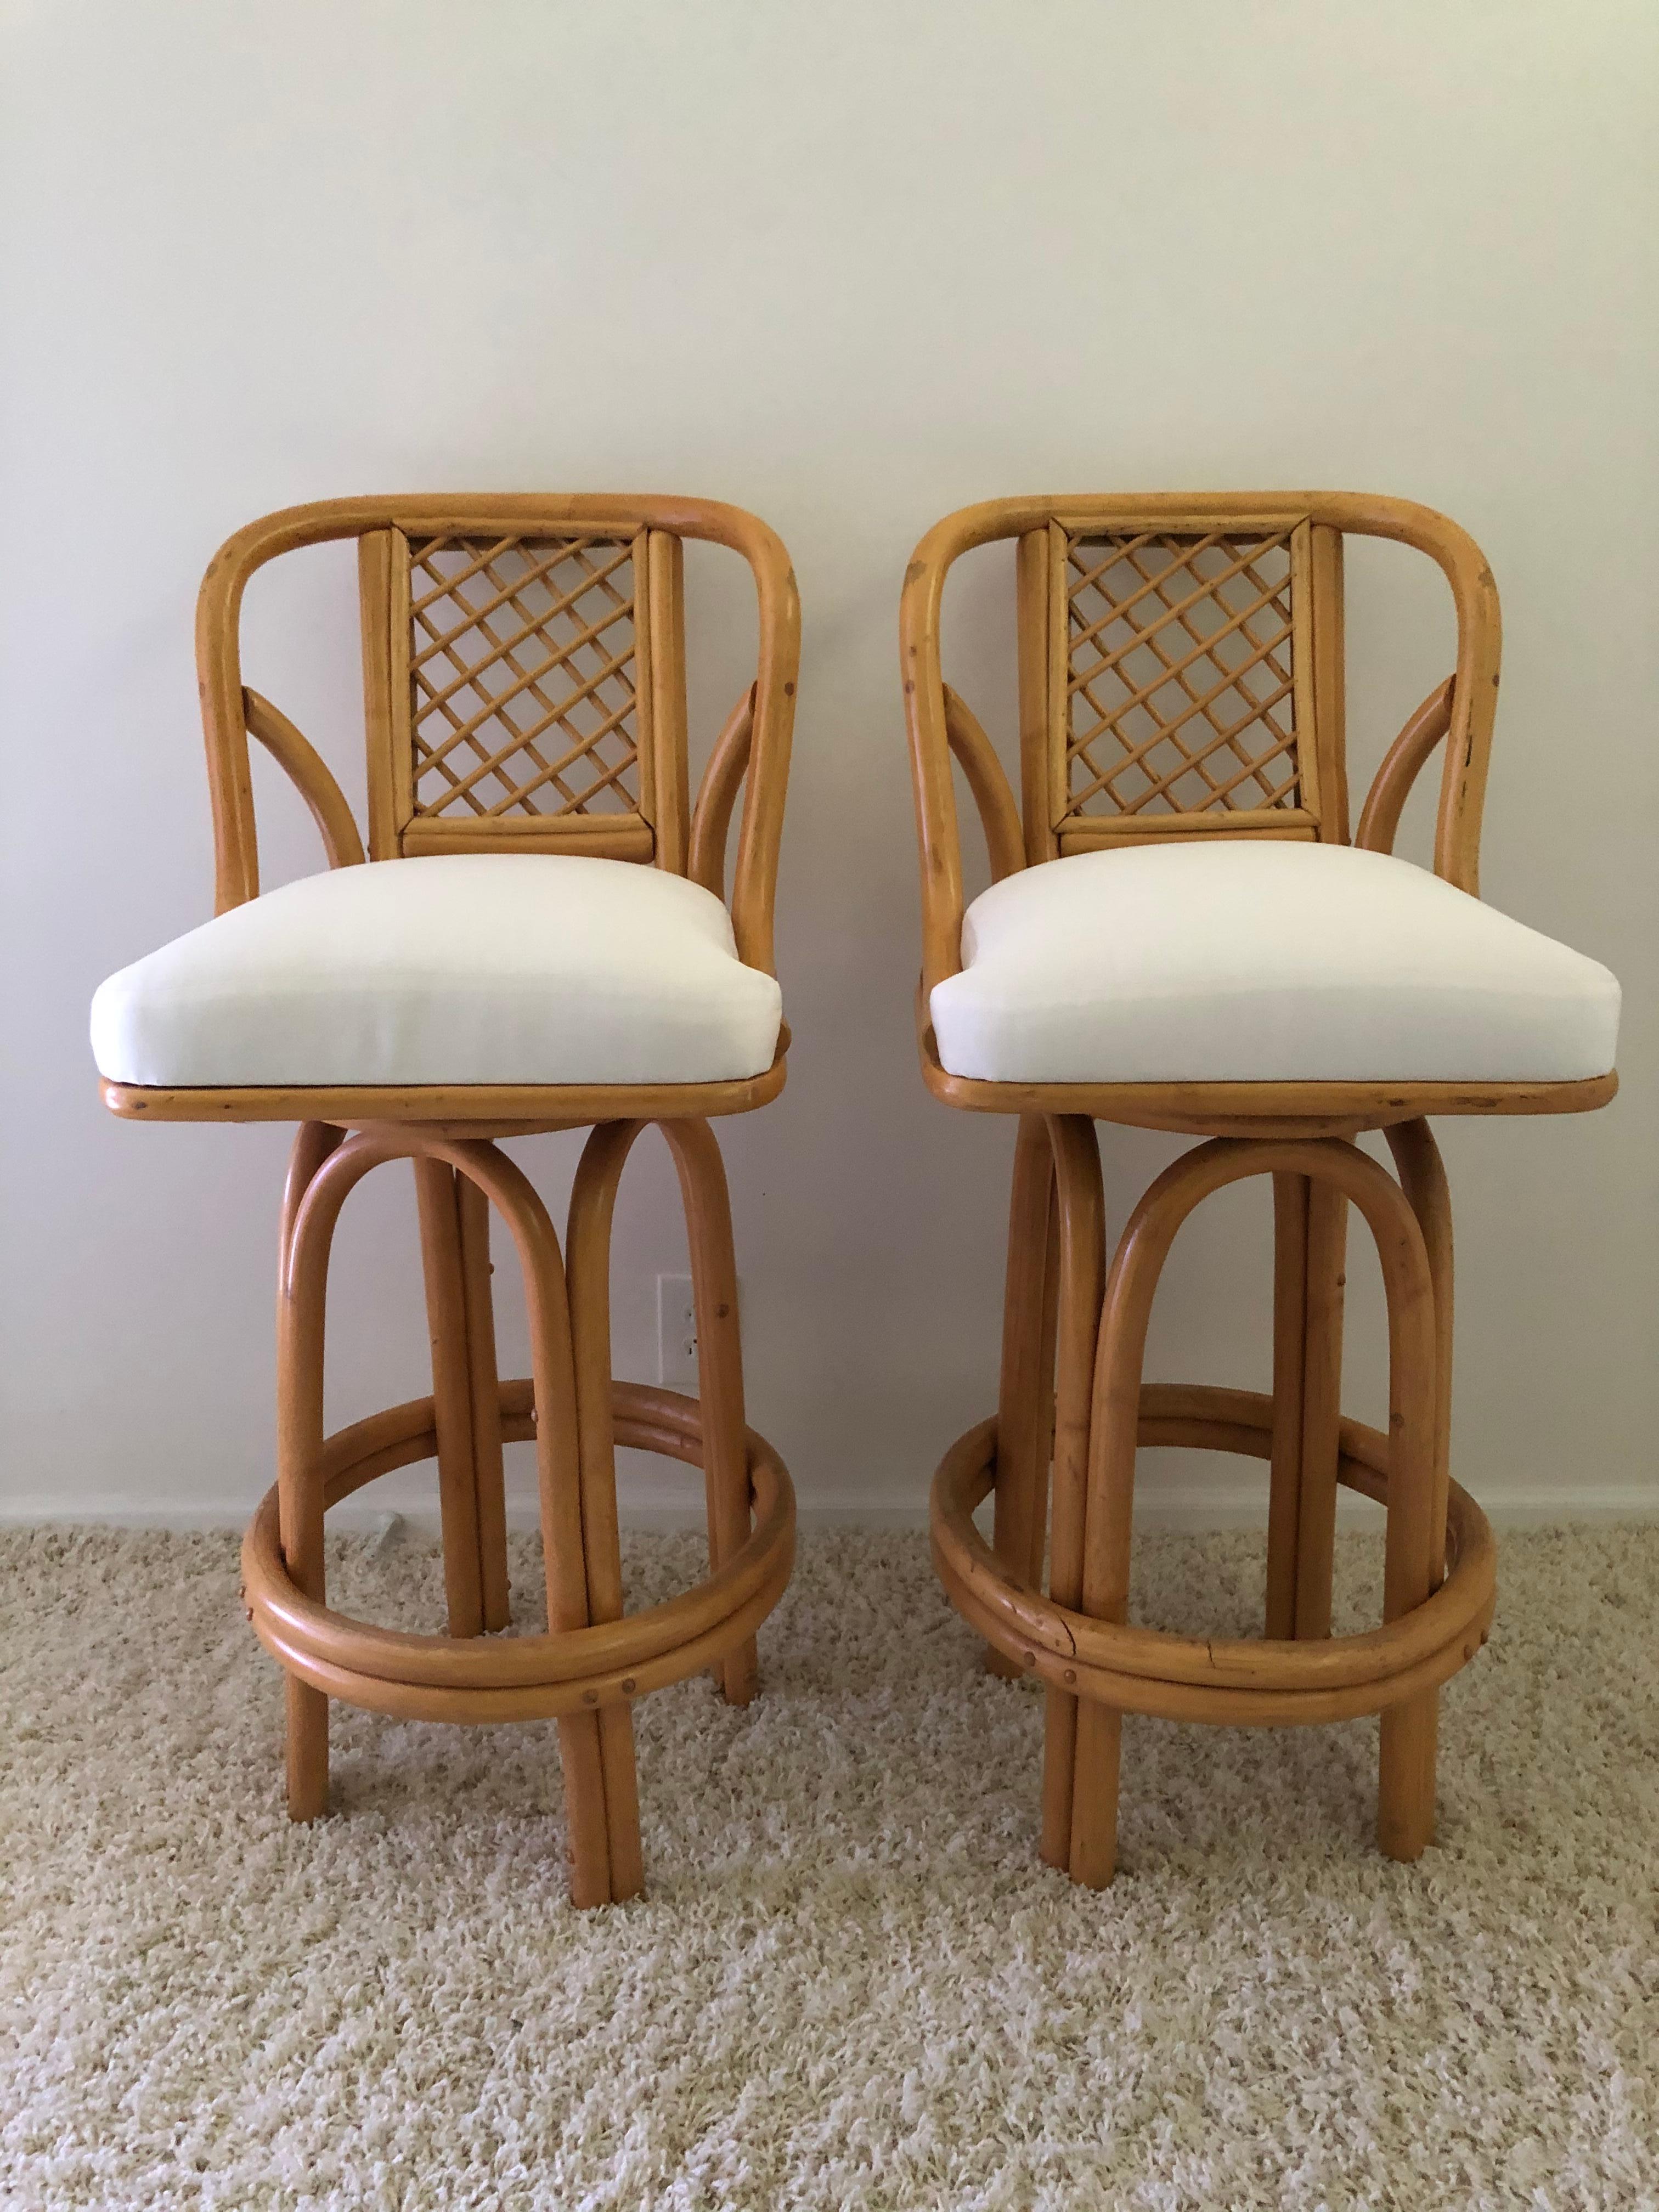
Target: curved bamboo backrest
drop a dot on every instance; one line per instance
(1181, 676)
(524, 682)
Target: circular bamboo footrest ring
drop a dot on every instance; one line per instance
(1233, 1683)
(518, 1678)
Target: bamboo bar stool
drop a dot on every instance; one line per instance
(551, 951)
(1181, 934)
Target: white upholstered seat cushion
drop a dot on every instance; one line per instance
(1261, 961)
(516, 968)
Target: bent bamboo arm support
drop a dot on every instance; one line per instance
(1004, 841)
(922, 672)
(717, 794)
(1391, 786)
(304, 767)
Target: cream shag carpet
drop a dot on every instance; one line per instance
(851, 1985)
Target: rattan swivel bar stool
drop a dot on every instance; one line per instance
(538, 940)
(1181, 934)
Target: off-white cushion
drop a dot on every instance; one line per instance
(475, 968)
(1262, 962)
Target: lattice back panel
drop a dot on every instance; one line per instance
(524, 677)
(1184, 657)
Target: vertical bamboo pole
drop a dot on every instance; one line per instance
(382, 718)
(1308, 755)
(1410, 1732)
(1032, 583)
(1058, 797)
(720, 1366)
(587, 1244)
(1404, 1808)
(1025, 1398)
(300, 1341)
(486, 1403)
(670, 797)
(1322, 1408)
(438, 1202)
(1114, 1436)
(1082, 1275)
(1046, 1369)
(558, 1470)
(1289, 1340)
(1329, 734)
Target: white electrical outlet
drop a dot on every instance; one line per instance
(677, 1333)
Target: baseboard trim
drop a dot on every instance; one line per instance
(1194, 1511)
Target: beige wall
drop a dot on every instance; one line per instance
(853, 266)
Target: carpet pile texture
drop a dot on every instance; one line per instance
(851, 1986)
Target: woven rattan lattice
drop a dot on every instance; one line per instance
(524, 686)
(1181, 680)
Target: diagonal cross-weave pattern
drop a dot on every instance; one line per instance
(523, 677)
(1179, 696)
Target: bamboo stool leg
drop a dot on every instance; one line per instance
(559, 1479)
(1322, 1408)
(1114, 1436)
(1290, 1347)
(1025, 1401)
(1410, 1732)
(588, 1254)
(1309, 1247)
(558, 1471)
(558, 1474)
(299, 1447)
(720, 1367)
(1046, 1366)
(1082, 1240)
(582, 1763)
(558, 1468)
(487, 1468)
(452, 1392)
(305, 1718)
